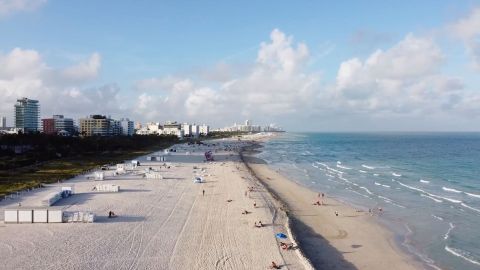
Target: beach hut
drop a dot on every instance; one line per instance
(11, 216)
(153, 175)
(25, 216)
(120, 168)
(80, 217)
(68, 191)
(107, 188)
(55, 216)
(40, 215)
(135, 163)
(99, 176)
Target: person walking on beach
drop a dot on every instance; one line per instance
(254, 204)
(203, 192)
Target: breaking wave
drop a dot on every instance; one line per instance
(451, 190)
(462, 254)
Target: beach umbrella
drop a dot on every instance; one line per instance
(281, 235)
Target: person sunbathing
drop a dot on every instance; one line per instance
(245, 212)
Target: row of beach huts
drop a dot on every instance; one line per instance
(47, 213)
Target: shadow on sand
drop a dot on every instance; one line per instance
(117, 219)
(321, 254)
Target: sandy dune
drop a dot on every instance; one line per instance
(162, 224)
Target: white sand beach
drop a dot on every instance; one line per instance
(161, 224)
(169, 224)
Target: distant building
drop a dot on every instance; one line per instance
(195, 131)
(204, 130)
(248, 127)
(138, 125)
(48, 126)
(172, 128)
(99, 125)
(27, 115)
(63, 124)
(3, 123)
(58, 124)
(187, 129)
(127, 127)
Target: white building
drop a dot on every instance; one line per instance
(127, 127)
(3, 123)
(172, 128)
(150, 129)
(204, 130)
(195, 131)
(187, 129)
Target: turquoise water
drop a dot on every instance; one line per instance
(427, 183)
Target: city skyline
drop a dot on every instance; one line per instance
(417, 71)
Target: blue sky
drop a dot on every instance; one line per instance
(169, 42)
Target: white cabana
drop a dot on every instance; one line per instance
(107, 188)
(153, 175)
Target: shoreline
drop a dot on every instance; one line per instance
(305, 228)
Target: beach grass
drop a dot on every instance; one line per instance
(58, 170)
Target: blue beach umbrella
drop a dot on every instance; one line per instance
(281, 235)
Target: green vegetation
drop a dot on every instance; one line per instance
(226, 134)
(49, 159)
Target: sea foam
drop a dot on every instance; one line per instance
(462, 254)
(473, 195)
(445, 237)
(451, 190)
(343, 167)
(368, 167)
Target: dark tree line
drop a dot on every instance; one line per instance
(27, 149)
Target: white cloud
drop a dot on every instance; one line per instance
(403, 79)
(274, 86)
(23, 73)
(468, 30)
(402, 82)
(8, 7)
(85, 70)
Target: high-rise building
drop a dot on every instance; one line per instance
(127, 127)
(195, 131)
(27, 112)
(187, 129)
(48, 126)
(204, 130)
(63, 124)
(99, 125)
(3, 123)
(58, 124)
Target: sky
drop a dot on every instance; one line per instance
(302, 65)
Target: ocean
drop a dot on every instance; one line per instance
(428, 185)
